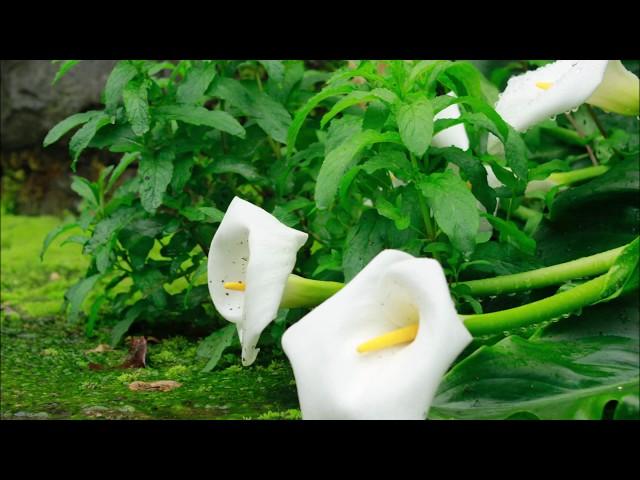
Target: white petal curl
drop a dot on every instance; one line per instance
(251, 246)
(334, 381)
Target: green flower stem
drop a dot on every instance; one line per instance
(544, 277)
(525, 213)
(304, 292)
(578, 175)
(552, 307)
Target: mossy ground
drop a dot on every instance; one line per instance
(44, 360)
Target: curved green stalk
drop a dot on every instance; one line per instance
(578, 175)
(552, 307)
(304, 292)
(544, 277)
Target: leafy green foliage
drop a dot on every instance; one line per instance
(346, 154)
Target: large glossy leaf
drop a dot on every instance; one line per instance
(568, 370)
(622, 182)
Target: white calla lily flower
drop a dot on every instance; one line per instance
(250, 259)
(340, 377)
(562, 86)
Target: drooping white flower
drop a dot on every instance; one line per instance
(250, 259)
(562, 86)
(340, 378)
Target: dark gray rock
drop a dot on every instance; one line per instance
(31, 105)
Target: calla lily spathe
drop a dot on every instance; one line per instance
(563, 86)
(336, 381)
(250, 259)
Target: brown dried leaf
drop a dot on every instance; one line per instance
(157, 386)
(103, 347)
(54, 276)
(137, 354)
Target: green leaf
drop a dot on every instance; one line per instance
(192, 89)
(182, 169)
(102, 256)
(76, 295)
(107, 227)
(393, 212)
(312, 103)
(432, 68)
(202, 214)
(86, 190)
(126, 160)
(82, 137)
(195, 115)
(117, 138)
(468, 76)
(502, 259)
(471, 169)
(64, 69)
(93, 315)
(53, 234)
(340, 131)
(150, 282)
(510, 233)
(357, 97)
(274, 68)
(621, 183)
(155, 173)
(454, 208)
(136, 105)
(340, 159)
(394, 161)
(233, 165)
(123, 325)
(122, 73)
(568, 370)
(365, 240)
(212, 213)
(415, 123)
(515, 152)
(67, 124)
(623, 274)
(270, 115)
(376, 116)
(214, 345)
(138, 239)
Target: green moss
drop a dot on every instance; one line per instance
(45, 365)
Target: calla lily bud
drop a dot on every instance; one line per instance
(250, 259)
(340, 376)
